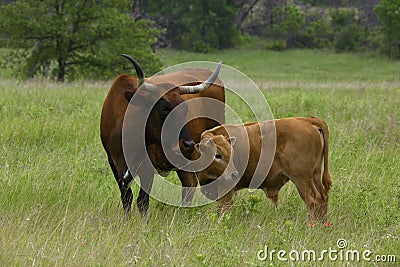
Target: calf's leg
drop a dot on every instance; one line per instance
(273, 185)
(322, 209)
(312, 198)
(225, 203)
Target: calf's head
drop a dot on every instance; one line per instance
(221, 175)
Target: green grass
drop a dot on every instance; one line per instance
(60, 204)
(297, 65)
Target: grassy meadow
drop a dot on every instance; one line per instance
(60, 204)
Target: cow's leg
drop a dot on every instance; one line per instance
(225, 203)
(126, 192)
(189, 183)
(146, 182)
(124, 186)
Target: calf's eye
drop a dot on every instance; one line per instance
(218, 156)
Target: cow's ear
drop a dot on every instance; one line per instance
(143, 97)
(128, 94)
(232, 140)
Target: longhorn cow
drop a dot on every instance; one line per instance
(159, 94)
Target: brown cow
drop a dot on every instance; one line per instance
(157, 96)
(301, 146)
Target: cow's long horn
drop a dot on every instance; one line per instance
(203, 86)
(138, 69)
(139, 73)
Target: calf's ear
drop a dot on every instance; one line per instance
(206, 135)
(232, 140)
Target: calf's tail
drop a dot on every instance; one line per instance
(323, 128)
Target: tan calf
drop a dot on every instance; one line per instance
(301, 149)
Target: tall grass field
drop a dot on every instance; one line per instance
(60, 204)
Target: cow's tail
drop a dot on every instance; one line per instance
(323, 128)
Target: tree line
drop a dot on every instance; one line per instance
(66, 39)
(344, 25)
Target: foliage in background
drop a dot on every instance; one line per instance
(344, 23)
(289, 22)
(68, 40)
(195, 25)
(349, 25)
(74, 39)
(389, 15)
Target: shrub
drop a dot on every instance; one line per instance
(348, 32)
(278, 45)
(196, 25)
(388, 12)
(318, 34)
(290, 22)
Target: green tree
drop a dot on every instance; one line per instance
(388, 12)
(348, 33)
(289, 22)
(75, 39)
(196, 25)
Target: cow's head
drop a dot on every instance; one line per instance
(163, 99)
(221, 175)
